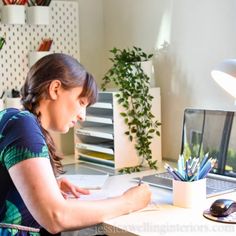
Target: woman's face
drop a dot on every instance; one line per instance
(67, 109)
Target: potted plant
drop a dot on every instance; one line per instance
(134, 96)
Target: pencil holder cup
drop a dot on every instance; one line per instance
(38, 15)
(36, 55)
(189, 194)
(1, 104)
(13, 103)
(13, 14)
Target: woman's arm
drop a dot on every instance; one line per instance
(38, 187)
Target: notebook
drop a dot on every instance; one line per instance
(213, 132)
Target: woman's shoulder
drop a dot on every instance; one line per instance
(20, 137)
(11, 114)
(14, 112)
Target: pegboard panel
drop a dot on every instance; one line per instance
(21, 39)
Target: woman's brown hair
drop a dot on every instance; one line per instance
(71, 73)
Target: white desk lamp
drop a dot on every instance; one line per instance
(225, 75)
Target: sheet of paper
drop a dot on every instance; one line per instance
(95, 184)
(87, 181)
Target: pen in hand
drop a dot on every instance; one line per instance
(140, 181)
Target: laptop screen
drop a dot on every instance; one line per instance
(213, 132)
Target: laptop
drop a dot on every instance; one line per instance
(213, 132)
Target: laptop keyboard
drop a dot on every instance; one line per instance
(165, 175)
(220, 184)
(213, 185)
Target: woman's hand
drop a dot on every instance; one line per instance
(68, 188)
(137, 197)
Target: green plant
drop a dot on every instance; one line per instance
(134, 95)
(231, 159)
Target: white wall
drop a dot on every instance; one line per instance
(92, 36)
(199, 35)
(203, 34)
(91, 32)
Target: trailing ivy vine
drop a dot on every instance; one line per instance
(134, 95)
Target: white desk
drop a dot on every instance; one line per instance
(167, 220)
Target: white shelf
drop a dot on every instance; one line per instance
(101, 132)
(101, 138)
(97, 157)
(96, 148)
(103, 120)
(102, 105)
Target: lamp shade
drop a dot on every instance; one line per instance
(225, 75)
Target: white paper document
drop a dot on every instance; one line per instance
(87, 181)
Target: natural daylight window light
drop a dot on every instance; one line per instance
(225, 75)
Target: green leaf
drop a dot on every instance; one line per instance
(127, 132)
(123, 114)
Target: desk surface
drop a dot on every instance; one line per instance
(166, 219)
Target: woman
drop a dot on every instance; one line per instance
(55, 95)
